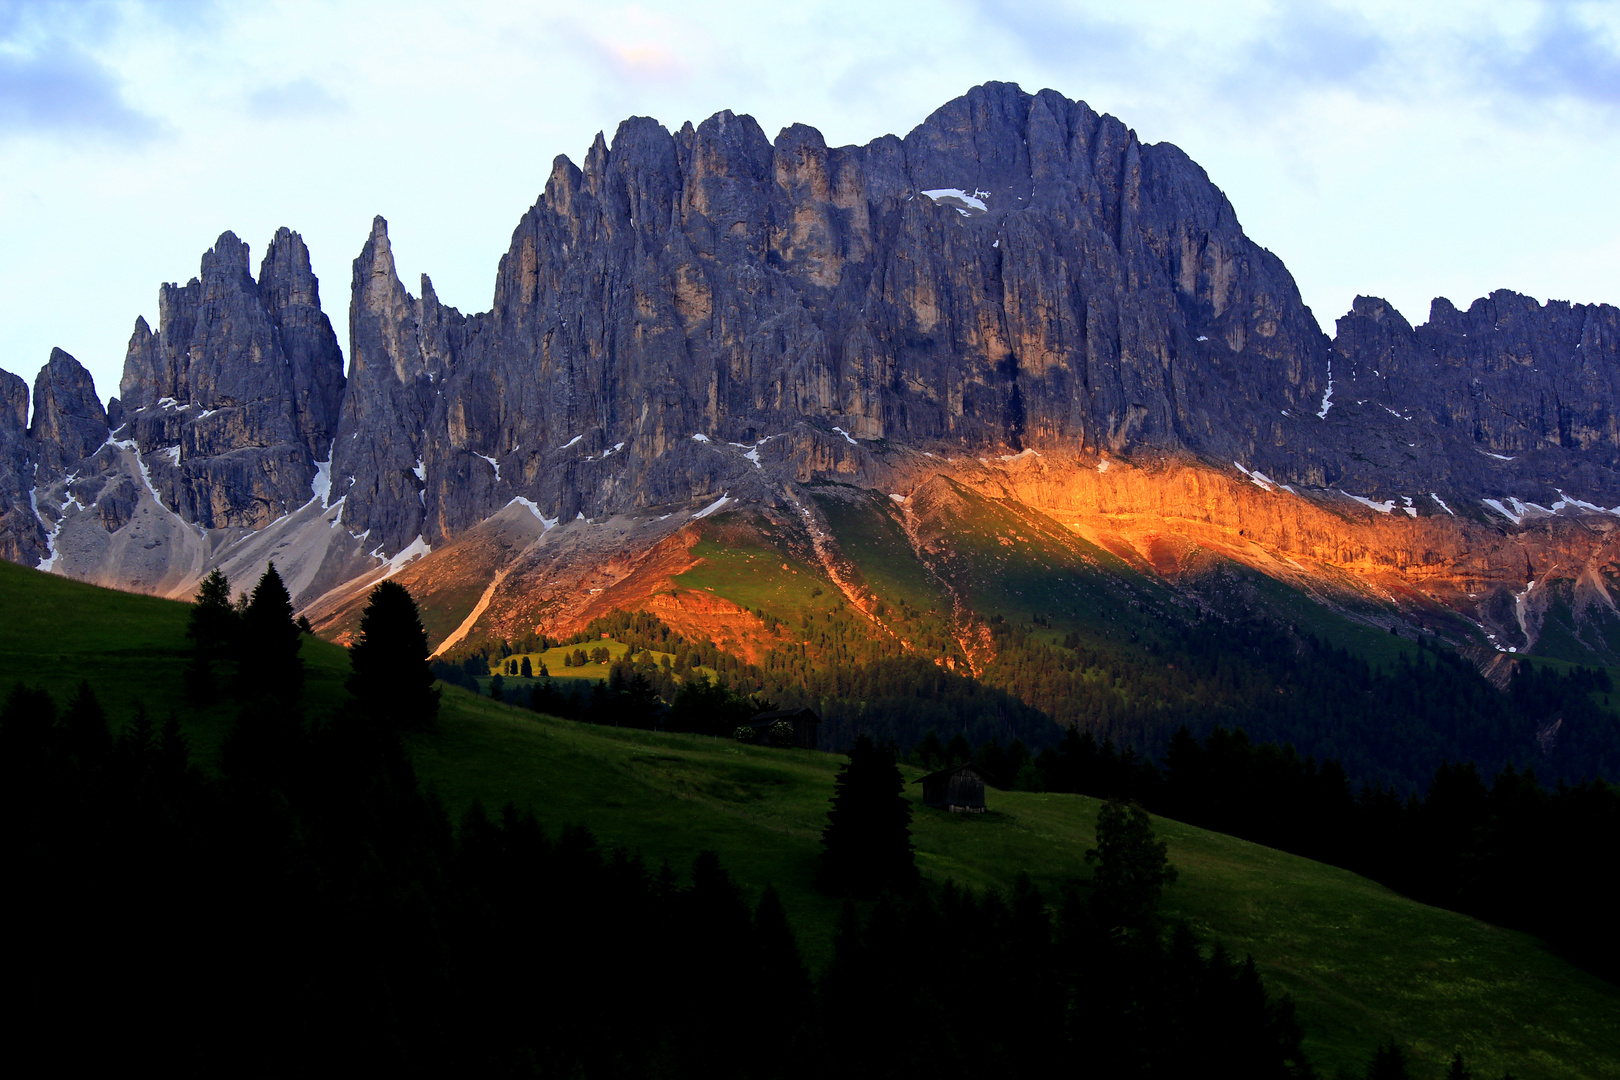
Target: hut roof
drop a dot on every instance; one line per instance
(974, 766)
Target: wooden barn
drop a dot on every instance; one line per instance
(959, 790)
(804, 721)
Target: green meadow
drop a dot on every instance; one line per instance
(1363, 963)
(569, 677)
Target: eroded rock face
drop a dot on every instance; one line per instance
(706, 313)
(236, 396)
(69, 421)
(1079, 290)
(1510, 399)
(21, 537)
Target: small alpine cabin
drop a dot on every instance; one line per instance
(804, 721)
(959, 790)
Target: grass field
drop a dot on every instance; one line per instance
(751, 568)
(1363, 963)
(569, 678)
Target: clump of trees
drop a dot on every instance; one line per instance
(309, 902)
(392, 683)
(866, 846)
(1511, 851)
(1094, 977)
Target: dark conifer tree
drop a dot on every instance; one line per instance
(392, 682)
(265, 742)
(268, 640)
(866, 846)
(527, 671)
(1389, 1063)
(85, 724)
(1132, 869)
(783, 980)
(211, 627)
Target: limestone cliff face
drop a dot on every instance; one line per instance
(21, 537)
(236, 395)
(69, 421)
(1017, 291)
(1019, 271)
(1510, 399)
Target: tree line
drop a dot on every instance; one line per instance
(1511, 850)
(307, 906)
(1012, 985)
(1390, 725)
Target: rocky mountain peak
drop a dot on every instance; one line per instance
(225, 266)
(69, 420)
(705, 316)
(21, 538)
(13, 406)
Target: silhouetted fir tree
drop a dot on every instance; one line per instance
(527, 670)
(545, 697)
(268, 739)
(391, 681)
(866, 846)
(267, 644)
(1458, 1069)
(1131, 869)
(211, 626)
(139, 739)
(1389, 1063)
(782, 976)
(85, 724)
(930, 752)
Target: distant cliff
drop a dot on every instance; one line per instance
(707, 312)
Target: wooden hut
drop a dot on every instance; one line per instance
(959, 790)
(804, 721)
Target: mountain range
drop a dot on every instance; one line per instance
(1016, 364)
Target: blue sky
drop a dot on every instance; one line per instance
(1393, 149)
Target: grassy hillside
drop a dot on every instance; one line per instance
(131, 648)
(1363, 963)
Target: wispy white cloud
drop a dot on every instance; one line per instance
(52, 85)
(1312, 45)
(296, 99)
(1376, 145)
(1565, 52)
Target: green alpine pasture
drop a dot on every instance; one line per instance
(1363, 963)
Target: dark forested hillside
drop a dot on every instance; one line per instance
(308, 903)
(1389, 724)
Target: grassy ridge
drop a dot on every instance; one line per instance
(1363, 963)
(755, 568)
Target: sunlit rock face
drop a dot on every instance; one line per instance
(1017, 272)
(1018, 293)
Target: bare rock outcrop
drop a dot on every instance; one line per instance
(235, 397)
(707, 314)
(22, 539)
(69, 421)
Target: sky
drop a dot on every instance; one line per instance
(1391, 149)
